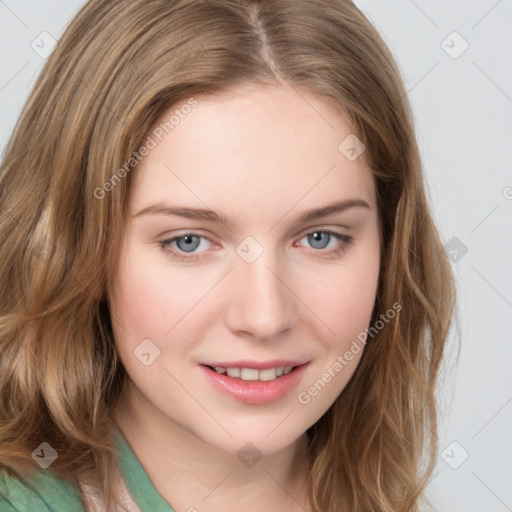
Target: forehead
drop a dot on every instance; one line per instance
(266, 147)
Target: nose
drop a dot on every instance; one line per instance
(261, 302)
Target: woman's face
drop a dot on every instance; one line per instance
(225, 265)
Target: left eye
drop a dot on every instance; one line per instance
(321, 239)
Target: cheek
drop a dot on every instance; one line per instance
(138, 301)
(140, 308)
(150, 296)
(343, 299)
(154, 300)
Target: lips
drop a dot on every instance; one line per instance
(255, 391)
(255, 364)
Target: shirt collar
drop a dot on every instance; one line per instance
(137, 480)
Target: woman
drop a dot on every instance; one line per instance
(225, 287)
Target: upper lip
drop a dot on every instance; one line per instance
(257, 365)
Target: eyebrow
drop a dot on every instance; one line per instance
(218, 217)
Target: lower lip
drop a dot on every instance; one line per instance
(255, 391)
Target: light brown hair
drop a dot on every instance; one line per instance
(118, 66)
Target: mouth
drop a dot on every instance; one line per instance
(251, 374)
(254, 385)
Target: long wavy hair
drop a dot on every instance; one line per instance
(118, 66)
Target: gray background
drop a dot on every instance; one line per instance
(462, 100)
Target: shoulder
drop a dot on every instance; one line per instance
(45, 492)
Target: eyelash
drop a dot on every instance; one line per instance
(344, 242)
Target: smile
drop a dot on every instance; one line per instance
(254, 386)
(253, 373)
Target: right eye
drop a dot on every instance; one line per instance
(179, 246)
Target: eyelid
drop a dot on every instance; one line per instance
(329, 228)
(191, 232)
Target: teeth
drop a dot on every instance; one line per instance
(249, 374)
(233, 372)
(254, 374)
(269, 374)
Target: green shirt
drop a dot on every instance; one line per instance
(53, 494)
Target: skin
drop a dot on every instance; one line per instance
(261, 155)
